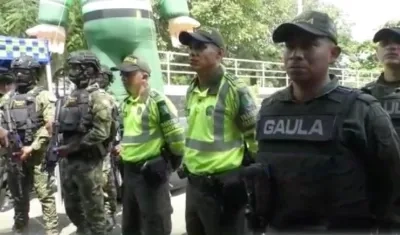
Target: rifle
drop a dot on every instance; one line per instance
(15, 146)
(52, 157)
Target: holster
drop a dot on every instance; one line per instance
(233, 191)
(173, 160)
(227, 188)
(155, 171)
(261, 191)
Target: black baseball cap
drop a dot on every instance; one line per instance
(131, 64)
(316, 23)
(386, 33)
(206, 35)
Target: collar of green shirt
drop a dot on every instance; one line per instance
(214, 82)
(287, 95)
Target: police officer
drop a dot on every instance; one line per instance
(221, 113)
(150, 126)
(30, 107)
(86, 120)
(332, 152)
(386, 87)
(109, 188)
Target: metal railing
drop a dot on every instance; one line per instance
(265, 74)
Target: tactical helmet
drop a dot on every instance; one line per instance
(25, 62)
(84, 57)
(106, 71)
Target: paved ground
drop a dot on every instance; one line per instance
(36, 222)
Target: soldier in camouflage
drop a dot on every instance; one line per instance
(6, 84)
(86, 119)
(30, 107)
(109, 188)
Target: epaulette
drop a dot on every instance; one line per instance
(156, 96)
(233, 80)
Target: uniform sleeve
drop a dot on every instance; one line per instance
(384, 146)
(45, 102)
(246, 115)
(172, 131)
(101, 110)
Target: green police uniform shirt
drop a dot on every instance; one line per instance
(220, 120)
(149, 124)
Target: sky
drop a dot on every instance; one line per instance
(368, 15)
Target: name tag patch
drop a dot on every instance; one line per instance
(392, 107)
(308, 128)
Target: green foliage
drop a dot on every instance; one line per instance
(247, 26)
(392, 23)
(76, 39)
(16, 16)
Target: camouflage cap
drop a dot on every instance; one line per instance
(131, 64)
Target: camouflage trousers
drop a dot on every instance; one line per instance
(110, 191)
(20, 185)
(82, 185)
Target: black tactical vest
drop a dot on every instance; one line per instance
(389, 98)
(316, 176)
(26, 120)
(75, 117)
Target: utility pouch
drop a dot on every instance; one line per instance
(155, 171)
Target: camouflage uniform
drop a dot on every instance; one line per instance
(109, 187)
(83, 180)
(110, 192)
(32, 173)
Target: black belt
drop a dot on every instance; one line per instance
(117, 13)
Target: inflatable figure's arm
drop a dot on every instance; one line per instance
(177, 14)
(53, 19)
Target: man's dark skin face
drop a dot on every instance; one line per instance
(388, 51)
(307, 58)
(204, 56)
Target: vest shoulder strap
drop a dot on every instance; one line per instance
(37, 91)
(366, 98)
(368, 87)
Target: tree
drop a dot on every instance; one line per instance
(246, 24)
(16, 16)
(392, 23)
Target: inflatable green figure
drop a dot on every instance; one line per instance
(114, 29)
